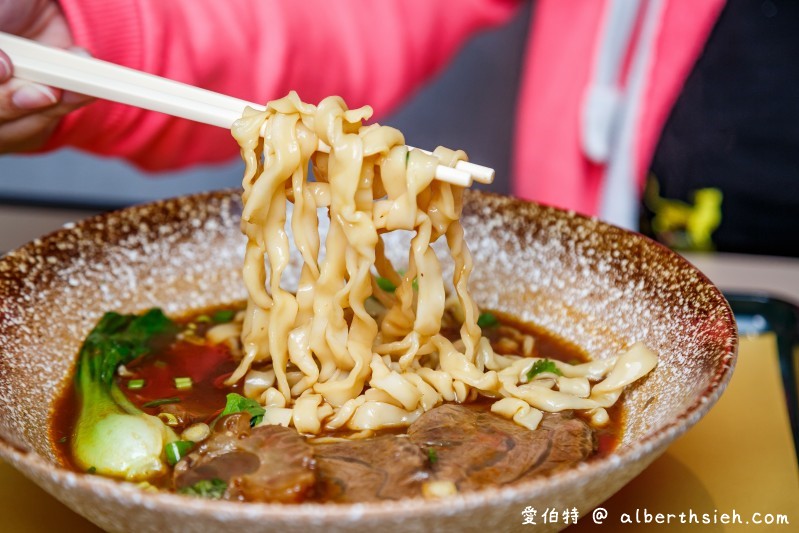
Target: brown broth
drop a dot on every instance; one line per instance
(208, 366)
(553, 347)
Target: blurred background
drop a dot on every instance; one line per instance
(73, 185)
(722, 176)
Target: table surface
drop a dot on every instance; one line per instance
(739, 459)
(756, 473)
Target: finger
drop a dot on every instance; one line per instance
(6, 69)
(31, 132)
(34, 97)
(19, 98)
(16, 101)
(69, 102)
(26, 133)
(76, 99)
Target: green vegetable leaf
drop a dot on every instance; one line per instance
(118, 339)
(541, 366)
(207, 488)
(236, 403)
(386, 285)
(432, 456)
(225, 315)
(487, 320)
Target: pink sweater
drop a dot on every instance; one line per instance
(368, 52)
(375, 52)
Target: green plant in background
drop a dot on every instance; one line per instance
(681, 225)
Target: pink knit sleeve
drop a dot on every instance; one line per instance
(365, 51)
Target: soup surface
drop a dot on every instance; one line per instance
(221, 448)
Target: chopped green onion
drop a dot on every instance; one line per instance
(487, 320)
(541, 366)
(225, 315)
(169, 419)
(183, 383)
(91, 470)
(415, 284)
(207, 488)
(386, 285)
(135, 384)
(432, 456)
(161, 401)
(177, 450)
(202, 319)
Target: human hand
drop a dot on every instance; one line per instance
(29, 112)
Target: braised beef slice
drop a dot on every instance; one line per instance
(572, 440)
(263, 464)
(384, 468)
(476, 448)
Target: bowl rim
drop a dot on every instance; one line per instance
(652, 441)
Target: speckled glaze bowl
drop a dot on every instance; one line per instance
(596, 285)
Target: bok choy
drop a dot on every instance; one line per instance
(113, 436)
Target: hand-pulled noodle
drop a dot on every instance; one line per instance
(342, 352)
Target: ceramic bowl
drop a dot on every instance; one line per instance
(595, 285)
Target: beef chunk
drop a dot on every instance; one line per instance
(384, 468)
(572, 441)
(263, 464)
(476, 448)
(468, 446)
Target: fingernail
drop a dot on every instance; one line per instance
(33, 96)
(5, 69)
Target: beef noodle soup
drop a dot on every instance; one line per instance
(356, 381)
(453, 447)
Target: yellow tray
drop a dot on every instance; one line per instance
(740, 457)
